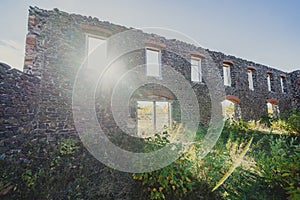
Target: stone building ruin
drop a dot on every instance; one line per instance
(39, 99)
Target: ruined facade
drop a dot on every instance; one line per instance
(40, 98)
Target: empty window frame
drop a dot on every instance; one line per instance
(153, 62)
(230, 110)
(283, 83)
(152, 116)
(269, 77)
(226, 74)
(96, 51)
(273, 110)
(196, 70)
(250, 79)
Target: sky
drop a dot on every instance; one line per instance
(266, 32)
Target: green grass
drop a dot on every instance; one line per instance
(268, 169)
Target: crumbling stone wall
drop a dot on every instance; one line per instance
(18, 107)
(55, 49)
(39, 100)
(253, 102)
(295, 89)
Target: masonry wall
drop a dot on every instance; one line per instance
(295, 89)
(39, 100)
(18, 104)
(253, 103)
(55, 49)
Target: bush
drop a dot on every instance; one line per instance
(36, 169)
(294, 122)
(173, 181)
(59, 170)
(280, 168)
(266, 120)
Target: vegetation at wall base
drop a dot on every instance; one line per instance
(270, 168)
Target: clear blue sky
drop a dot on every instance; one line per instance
(266, 32)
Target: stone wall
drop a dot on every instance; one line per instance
(295, 89)
(253, 102)
(19, 103)
(39, 100)
(56, 49)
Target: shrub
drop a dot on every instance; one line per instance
(174, 180)
(280, 168)
(294, 122)
(59, 170)
(266, 120)
(280, 125)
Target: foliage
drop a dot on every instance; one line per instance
(289, 124)
(247, 180)
(57, 170)
(174, 180)
(266, 120)
(280, 167)
(280, 125)
(67, 147)
(225, 156)
(38, 169)
(294, 122)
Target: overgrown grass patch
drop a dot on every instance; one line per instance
(267, 169)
